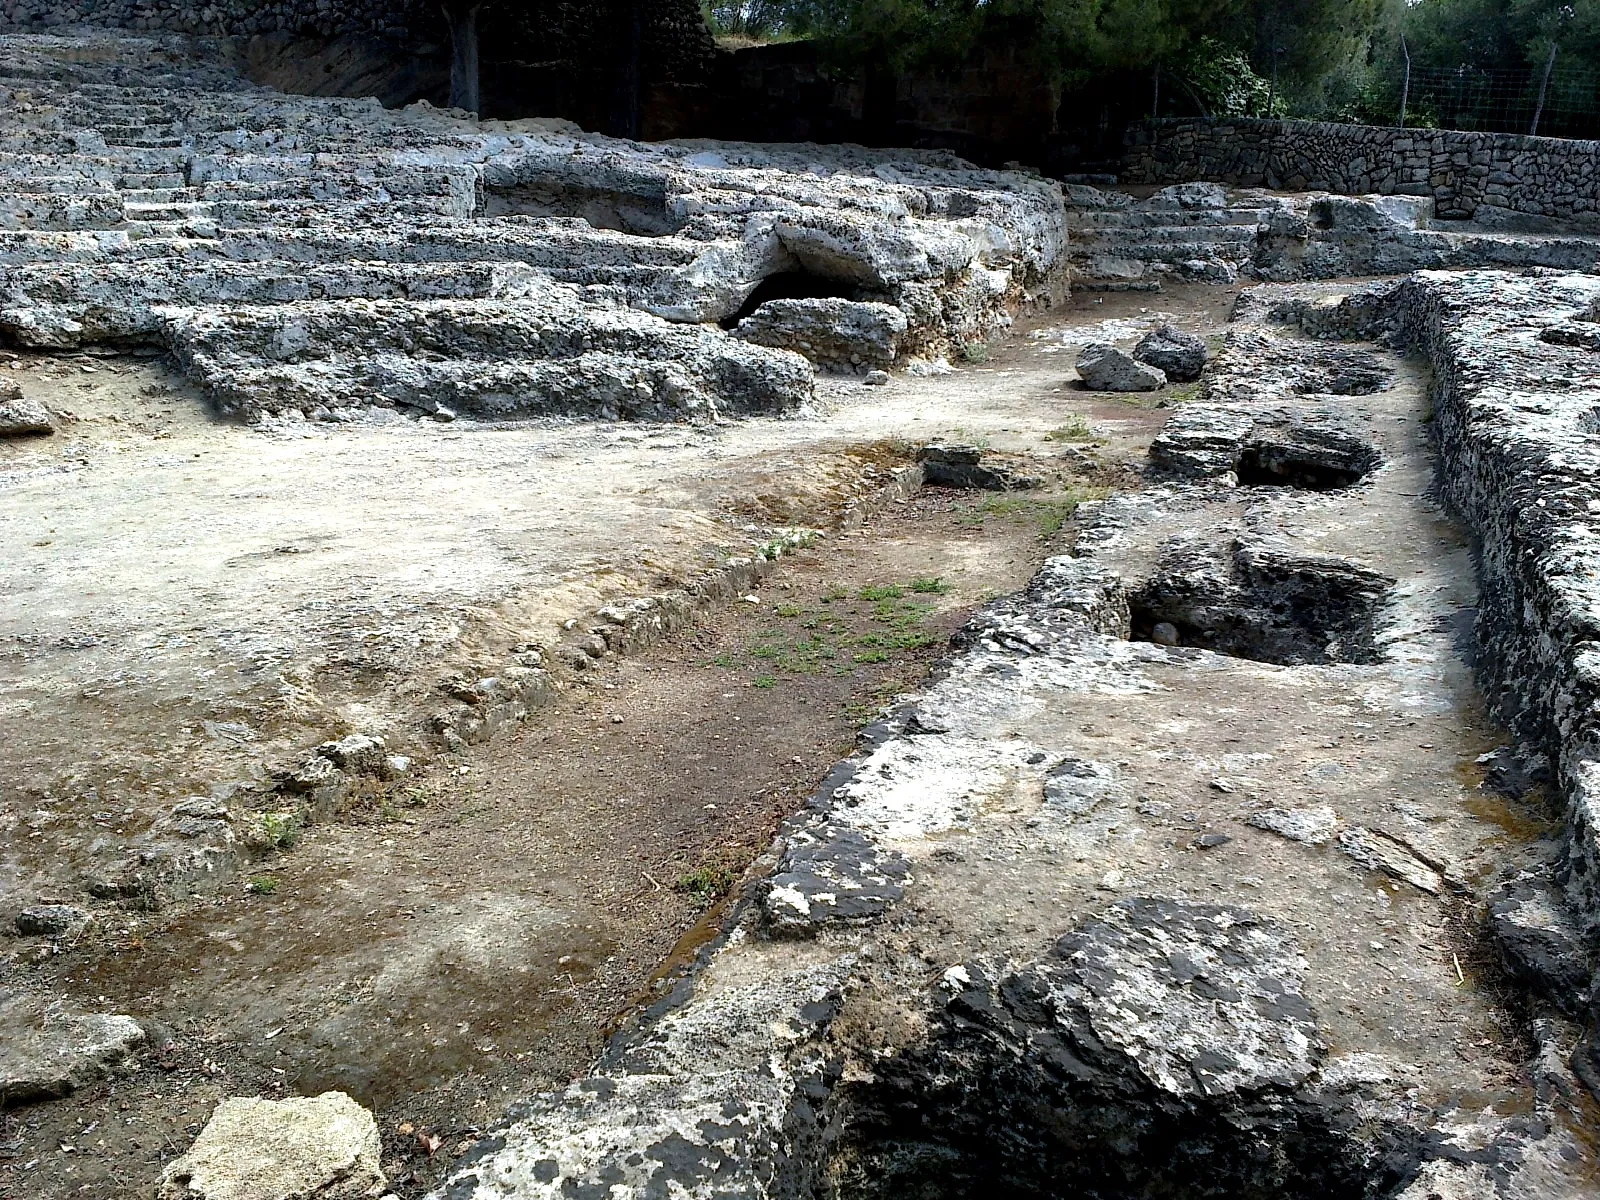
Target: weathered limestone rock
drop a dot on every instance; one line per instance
(1180, 356)
(1104, 368)
(19, 416)
(1539, 942)
(830, 875)
(51, 920)
(1313, 825)
(313, 255)
(1378, 851)
(844, 334)
(960, 467)
(1119, 243)
(305, 1148)
(51, 1049)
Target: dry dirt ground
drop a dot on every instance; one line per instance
(188, 601)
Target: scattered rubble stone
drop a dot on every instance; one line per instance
(1513, 772)
(1313, 826)
(51, 1049)
(1379, 852)
(51, 920)
(359, 754)
(19, 416)
(1178, 355)
(955, 466)
(1104, 368)
(304, 1148)
(1165, 633)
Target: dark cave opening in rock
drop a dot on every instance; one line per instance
(1266, 606)
(792, 285)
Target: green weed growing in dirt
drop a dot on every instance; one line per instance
(1050, 514)
(706, 884)
(764, 681)
(261, 885)
(933, 586)
(973, 352)
(279, 829)
(881, 592)
(1075, 430)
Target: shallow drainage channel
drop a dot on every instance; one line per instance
(1113, 917)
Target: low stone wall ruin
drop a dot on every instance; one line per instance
(230, 17)
(1479, 176)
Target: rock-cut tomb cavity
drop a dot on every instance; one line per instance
(1265, 603)
(1313, 460)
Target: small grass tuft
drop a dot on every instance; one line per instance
(706, 884)
(933, 586)
(765, 681)
(890, 591)
(973, 352)
(1075, 430)
(261, 885)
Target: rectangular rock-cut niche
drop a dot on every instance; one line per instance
(1263, 604)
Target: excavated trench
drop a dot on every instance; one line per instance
(1170, 886)
(1044, 1076)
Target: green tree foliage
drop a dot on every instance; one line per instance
(758, 20)
(1217, 49)
(1501, 34)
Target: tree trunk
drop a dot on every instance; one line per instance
(463, 18)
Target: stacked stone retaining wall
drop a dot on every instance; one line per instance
(1467, 175)
(396, 19)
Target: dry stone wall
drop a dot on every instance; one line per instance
(1487, 177)
(239, 18)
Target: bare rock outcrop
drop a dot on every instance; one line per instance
(20, 416)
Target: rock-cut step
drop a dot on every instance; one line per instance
(551, 354)
(65, 305)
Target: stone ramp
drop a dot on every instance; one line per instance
(143, 187)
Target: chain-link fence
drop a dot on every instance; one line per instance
(1566, 104)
